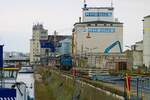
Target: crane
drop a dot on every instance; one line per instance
(113, 45)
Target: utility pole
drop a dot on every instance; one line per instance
(85, 5)
(55, 45)
(55, 33)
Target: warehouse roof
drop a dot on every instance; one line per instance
(98, 22)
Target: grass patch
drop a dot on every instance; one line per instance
(56, 87)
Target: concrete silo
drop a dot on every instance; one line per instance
(146, 41)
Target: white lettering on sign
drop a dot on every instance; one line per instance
(100, 30)
(98, 14)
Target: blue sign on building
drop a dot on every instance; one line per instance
(1, 56)
(100, 30)
(7, 94)
(48, 45)
(98, 14)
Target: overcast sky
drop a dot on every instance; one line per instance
(18, 16)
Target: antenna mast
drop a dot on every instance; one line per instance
(85, 5)
(111, 3)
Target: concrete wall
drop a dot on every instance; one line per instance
(137, 58)
(101, 60)
(98, 41)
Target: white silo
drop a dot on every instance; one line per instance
(146, 41)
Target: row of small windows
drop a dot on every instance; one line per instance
(101, 30)
(98, 14)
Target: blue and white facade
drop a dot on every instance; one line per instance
(65, 47)
(97, 31)
(98, 14)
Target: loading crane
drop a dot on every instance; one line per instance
(113, 45)
(107, 50)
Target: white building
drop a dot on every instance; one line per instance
(39, 33)
(146, 41)
(97, 31)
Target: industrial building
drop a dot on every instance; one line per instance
(98, 31)
(39, 33)
(44, 46)
(57, 37)
(140, 50)
(62, 43)
(41, 44)
(146, 41)
(65, 46)
(139, 54)
(13, 58)
(135, 55)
